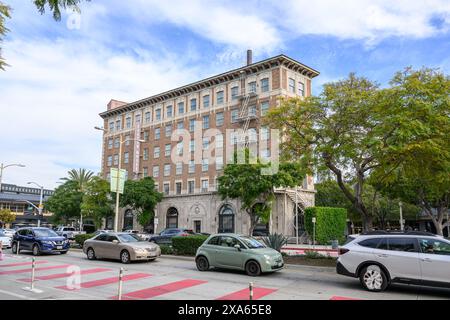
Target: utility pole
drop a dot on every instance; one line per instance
(402, 228)
(2, 167)
(41, 200)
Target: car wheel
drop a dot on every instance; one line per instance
(373, 278)
(125, 256)
(36, 250)
(90, 254)
(252, 268)
(14, 248)
(202, 263)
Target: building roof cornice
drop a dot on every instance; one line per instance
(280, 60)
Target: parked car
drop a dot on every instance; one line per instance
(232, 251)
(5, 240)
(380, 259)
(68, 232)
(39, 240)
(123, 246)
(101, 231)
(165, 237)
(8, 232)
(142, 235)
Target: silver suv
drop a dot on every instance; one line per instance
(379, 259)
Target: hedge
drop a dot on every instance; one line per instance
(330, 224)
(81, 238)
(187, 245)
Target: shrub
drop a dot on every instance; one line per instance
(275, 241)
(187, 245)
(330, 223)
(310, 254)
(166, 249)
(81, 238)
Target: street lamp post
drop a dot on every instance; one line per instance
(40, 201)
(121, 142)
(400, 204)
(2, 167)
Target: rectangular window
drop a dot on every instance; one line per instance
(205, 122)
(158, 115)
(145, 155)
(301, 89)
(111, 126)
(192, 145)
(191, 125)
(191, 187)
(167, 170)
(144, 172)
(291, 85)
(219, 163)
(252, 111)
(155, 171)
(219, 141)
(252, 86)
(264, 108)
(179, 168)
(110, 143)
(205, 185)
(109, 161)
(127, 140)
(128, 122)
(206, 101)
(234, 92)
(265, 134)
(137, 119)
(178, 187)
(220, 97)
(166, 189)
(169, 110)
(180, 125)
(116, 159)
(118, 125)
(265, 85)
(193, 104)
(205, 165)
(168, 150)
(126, 157)
(168, 130)
(219, 119)
(146, 135)
(147, 117)
(116, 142)
(205, 143)
(234, 115)
(157, 133)
(180, 148)
(191, 166)
(180, 107)
(156, 152)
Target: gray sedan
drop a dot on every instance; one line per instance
(125, 247)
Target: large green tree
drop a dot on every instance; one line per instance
(142, 197)
(97, 200)
(417, 168)
(81, 177)
(55, 6)
(65, 203)
(256, 190)
(6, 216)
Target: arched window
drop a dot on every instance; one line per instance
(226, 219)
(128, 220)
(172, 218)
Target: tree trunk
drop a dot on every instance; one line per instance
(253, 219)
(367, 221)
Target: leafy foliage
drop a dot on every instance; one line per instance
(330, 223)
(56, 6)
(6, 216)
(81, 238)
(254, 189)
(81, 177)
(97, 200)
(187, 245)
(275, 241)
(65, 202)
(5, 12)
(166, 249)
(141, 196)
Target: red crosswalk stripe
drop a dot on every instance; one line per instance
(244, 294)
(106, 281)
(342, 298)
(66, 275)
(19, 264)
(36, 269)
(160, 290)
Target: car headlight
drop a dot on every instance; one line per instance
(267, 257)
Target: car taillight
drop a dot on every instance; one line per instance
(184, 234)
(343, 251)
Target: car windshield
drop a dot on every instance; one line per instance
(128, 238)
(252, 243)
(2, 234)
(45, 233)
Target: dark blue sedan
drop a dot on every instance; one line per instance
(39, 240)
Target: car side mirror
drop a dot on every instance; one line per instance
(115, 241)
(238, 247)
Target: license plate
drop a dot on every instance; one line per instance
(58, 247)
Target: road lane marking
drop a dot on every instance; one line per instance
(244, 294)
(21, 264)
(106, 281)
(161, 290)
(342, 298)
(36, 269)
(16, 295)
(66, 275)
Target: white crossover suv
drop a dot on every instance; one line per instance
(381, 258)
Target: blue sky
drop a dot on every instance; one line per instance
(63, 74)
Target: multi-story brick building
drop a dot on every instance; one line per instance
(234, 100)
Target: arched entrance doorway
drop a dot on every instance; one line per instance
(128, 220)
(172, 218)
(226, 219)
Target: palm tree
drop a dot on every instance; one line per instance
(81, 176)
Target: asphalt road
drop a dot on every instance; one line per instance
(178, 278)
